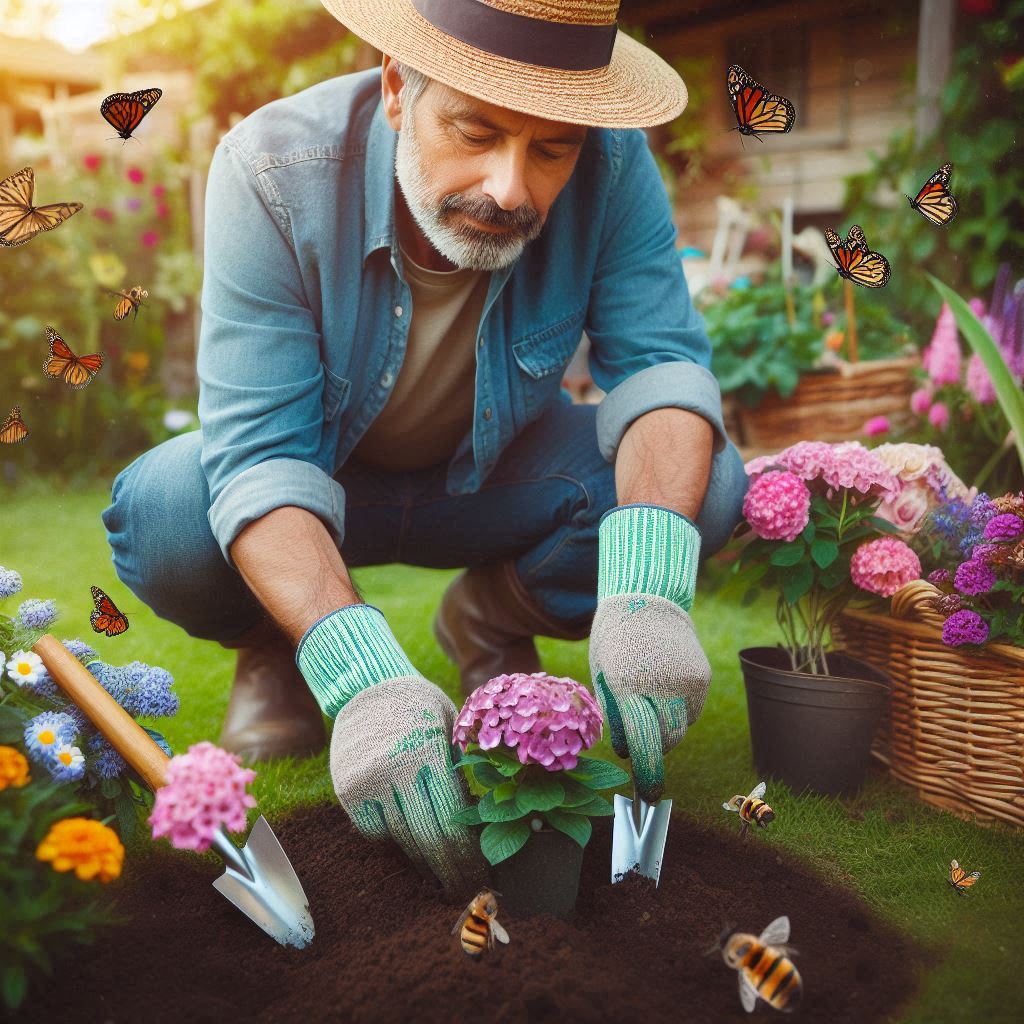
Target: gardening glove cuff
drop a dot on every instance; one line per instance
(647, 549)
(391, 765)
(347, 651)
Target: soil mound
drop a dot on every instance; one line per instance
(383, 951)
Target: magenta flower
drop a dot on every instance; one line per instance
(938, 576)
(547, 720)
(132, 203)
(135, 175)
(884, 565)
(827, 468)
(150, 239)
(102, 213)
(205, 790)
(938, 415)
(876, 426)
(964, 627)
(162, 210)
(941, 358)
(974, 577)
(1006, 526)
(978, 382)
(158, 191)
(777, 506)
(91, 162)
(921, 401)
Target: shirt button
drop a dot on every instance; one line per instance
(386, 380)
(487, 413)
(398, 310)
(481, 341)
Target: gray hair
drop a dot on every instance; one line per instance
(414, 83)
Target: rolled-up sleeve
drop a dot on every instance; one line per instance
(649, 348)
(260, 373)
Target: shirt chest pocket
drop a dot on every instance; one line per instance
(542, 357)
(337, 391)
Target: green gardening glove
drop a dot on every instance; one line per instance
(391, 754)
(650, 673)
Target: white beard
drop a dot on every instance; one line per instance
(466, 247)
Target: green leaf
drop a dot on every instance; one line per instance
(487, 775)
(824, 552)
(110, 788)
(468, 815)
(14, 985)
(796, 583)
(127, 817)
(575, 826)
(575, 792)
(470, 759)
(501, 839)
(598, 774)
(491, 810)
(504, 761)
(788, 554)
(506, 791)
(539, 794)
(809, 531)
(596, 807)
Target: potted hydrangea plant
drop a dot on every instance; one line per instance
(522, 738)
(815, 536)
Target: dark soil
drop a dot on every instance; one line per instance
(383, 949)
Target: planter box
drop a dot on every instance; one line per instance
(831, 405)
(954, 730)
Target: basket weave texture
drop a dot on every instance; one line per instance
(954, 730)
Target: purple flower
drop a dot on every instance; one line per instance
(964, 627)
(939, 576)
(10, 582)
(36, 614)
(1004, 527)
(109, 764)
(139, 688)
(79, 648)
(974, 577)
(547, 720)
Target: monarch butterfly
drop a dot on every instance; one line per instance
(856, 262)
(105, 617)
(935, 201)
(131, 299)
(959, 879)
(20, 220)
(63, 364)
(757, 110)
(124, 111)
(13, 429)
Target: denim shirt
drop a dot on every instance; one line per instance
(305, 310)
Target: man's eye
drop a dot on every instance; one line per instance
(475, 140)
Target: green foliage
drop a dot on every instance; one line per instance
(515, 794)
(756, 350)
(982, 108)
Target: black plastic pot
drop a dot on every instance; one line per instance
(813, 732)
(541, 878)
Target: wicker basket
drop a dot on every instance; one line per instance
(831, 405)
(955, 727)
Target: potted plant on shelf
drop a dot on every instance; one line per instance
(521, 738)
(813, 535)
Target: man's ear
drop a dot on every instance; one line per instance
(391, 86)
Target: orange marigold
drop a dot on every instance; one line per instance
(87, 847)
(13, 768)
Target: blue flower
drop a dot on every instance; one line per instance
(109, 764)
(67, 763)
(36, 614)
(48, 731)
(79, 648)
(10, 582)
(146, 691)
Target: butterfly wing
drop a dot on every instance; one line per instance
(63, 364)
(20, 221)
(756, 109)
(871, 269)
(124, 111)
(13, 429)
(123, 308)
(105, 617)
(935, 202)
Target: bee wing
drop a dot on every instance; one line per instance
(748, 994)
(498, 932)
(729, 807)
(459, 923)
(757, 793)
(777, 933)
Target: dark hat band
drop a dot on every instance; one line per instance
(549, 44)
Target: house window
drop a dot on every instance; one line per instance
(778, 59)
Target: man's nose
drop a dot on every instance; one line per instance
(506, 178)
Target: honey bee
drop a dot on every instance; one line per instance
(752, 809)
(478, 924)
(764, 965)
(959, 879)
(129, 300)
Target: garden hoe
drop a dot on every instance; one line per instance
(259, 879)
(638, 837)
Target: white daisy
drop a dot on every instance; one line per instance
(25, 668)
(68, 763)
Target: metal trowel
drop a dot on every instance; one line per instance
(258, 879)
(639, 832)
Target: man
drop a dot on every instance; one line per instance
(398, 267)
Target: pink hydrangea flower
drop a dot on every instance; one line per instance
(876, 426)
(827, 468)
(135, 175)
(938, 415)
(546, 720)
(205, 790)
(884, 565)
(978, 382)
(777, 506)
(941, 358)
(921, 402)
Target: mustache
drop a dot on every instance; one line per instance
(523, 219)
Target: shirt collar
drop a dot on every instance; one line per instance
(379, 186)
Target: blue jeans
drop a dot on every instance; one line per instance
(540, 506)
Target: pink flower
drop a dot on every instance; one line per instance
(547, 720)
(828, 318)
(978, 383)
(91, 162)
(149, 239)
(921, 401)
(777, 506)
(908, 508)
(162, 210)
(827, 468)
(135, 175)
(132, 203)
(205, 790)
(876, 426)
(158, 191)
(938, 415)
(884, 565)
(102, 213)
(941, 358)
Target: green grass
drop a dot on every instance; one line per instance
(885, 845)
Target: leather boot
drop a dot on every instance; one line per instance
(272, 712)
(486, 623)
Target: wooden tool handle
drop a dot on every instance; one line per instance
(128, 738)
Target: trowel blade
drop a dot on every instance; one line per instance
(641, 850)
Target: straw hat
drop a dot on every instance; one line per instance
(563, 61)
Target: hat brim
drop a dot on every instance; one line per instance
(636, 90)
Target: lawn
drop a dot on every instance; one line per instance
(884, 844)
